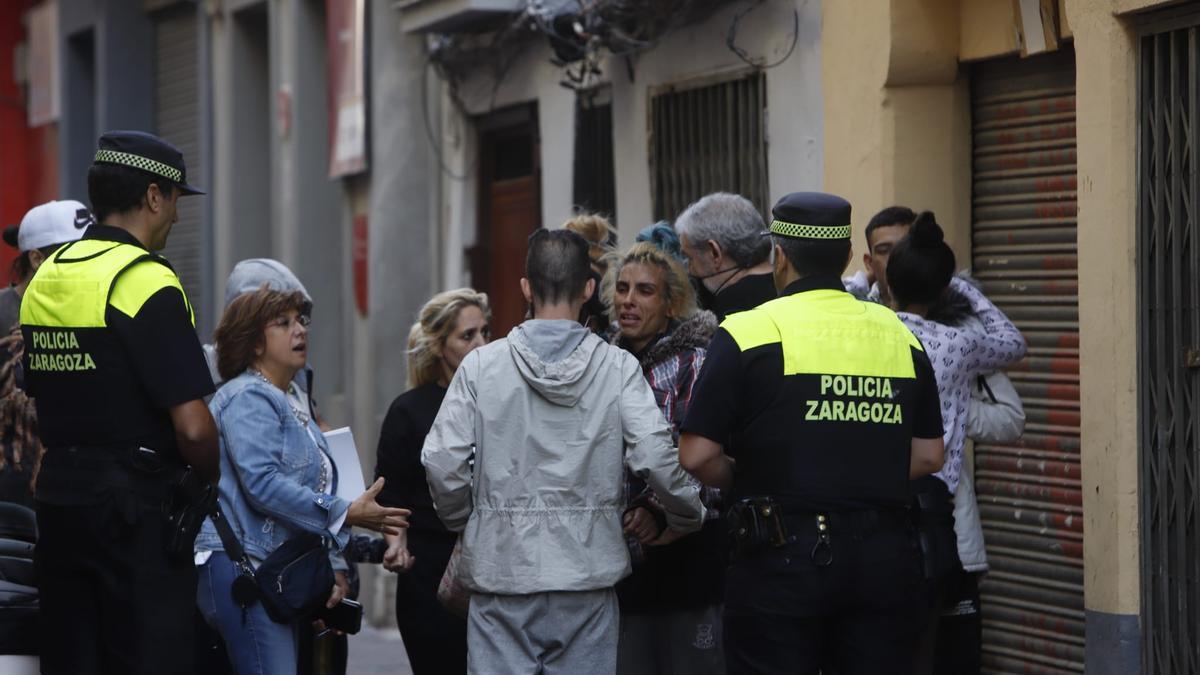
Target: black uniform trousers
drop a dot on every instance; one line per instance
(784, 613)
(434, 639)
(960, 628)
(111, 601)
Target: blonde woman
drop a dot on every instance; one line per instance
(450, 326)
(671, 604)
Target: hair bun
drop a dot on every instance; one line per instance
(10, 235)
(925, 232)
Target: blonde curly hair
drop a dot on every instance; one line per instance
(677, 291)
(598, 232)
(433, 326)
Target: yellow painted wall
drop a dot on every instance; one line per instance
(854, 103)
(898, 130)
(1106, 122)
(924, 45)
(895, 115)
(928, 160)
(986, 29)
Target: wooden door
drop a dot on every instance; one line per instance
(510, 210)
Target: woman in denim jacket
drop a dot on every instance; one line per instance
(277, 479)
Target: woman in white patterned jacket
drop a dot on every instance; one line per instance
(920, 272)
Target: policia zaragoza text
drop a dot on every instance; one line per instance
(58, 362)
(852, 409)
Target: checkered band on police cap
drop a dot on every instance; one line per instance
(139, 162)
(811, 215)
(145, 152)
(798, 231)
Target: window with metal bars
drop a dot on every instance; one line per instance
(1169, 338)
(594, 188)
(705, 137)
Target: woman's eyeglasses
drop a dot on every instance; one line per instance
(287, 324)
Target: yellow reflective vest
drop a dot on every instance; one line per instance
(75, 367)
(827, 401)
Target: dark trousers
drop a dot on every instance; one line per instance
(959, 649)
(934, 510)
(435, 640)
(786, 614)
(111, 602)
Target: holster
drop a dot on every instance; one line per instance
(933, 515)
(755, 524)
(190, 501)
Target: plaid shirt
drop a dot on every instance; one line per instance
(671, 370)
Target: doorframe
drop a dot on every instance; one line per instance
(500, 124)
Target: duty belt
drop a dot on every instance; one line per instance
(132, 477)
(759, 523)
(136, 469)
(859, 523)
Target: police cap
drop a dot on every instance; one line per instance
(145, 152)
(811, 215)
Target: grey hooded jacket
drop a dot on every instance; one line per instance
(552, 416)
(996, 416)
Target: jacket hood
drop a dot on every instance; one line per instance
(694, 332)
(558, 359)
(953, 308)
(249, 275)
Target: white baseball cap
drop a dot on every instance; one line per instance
(56, 222)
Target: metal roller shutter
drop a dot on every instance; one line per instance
(1024, 252)
(177, 115)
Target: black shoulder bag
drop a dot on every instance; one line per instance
(293, 583)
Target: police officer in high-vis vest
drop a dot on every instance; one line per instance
(830, 406)
(114, 364)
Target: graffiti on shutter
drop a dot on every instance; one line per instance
(1024, 253)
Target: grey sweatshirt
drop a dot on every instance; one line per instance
(553, 415)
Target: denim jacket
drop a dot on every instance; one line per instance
(270, 471)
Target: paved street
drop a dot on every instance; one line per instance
(377, 651)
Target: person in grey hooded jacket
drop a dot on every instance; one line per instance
(551, 416)
(248, 276)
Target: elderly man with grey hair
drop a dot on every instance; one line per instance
(721, 237)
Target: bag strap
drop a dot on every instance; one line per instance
(233, 547)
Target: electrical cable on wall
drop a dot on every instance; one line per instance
(731, 38)
(456, 57)
(581, 34)
(434, 143)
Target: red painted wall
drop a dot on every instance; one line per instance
(28, 156)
